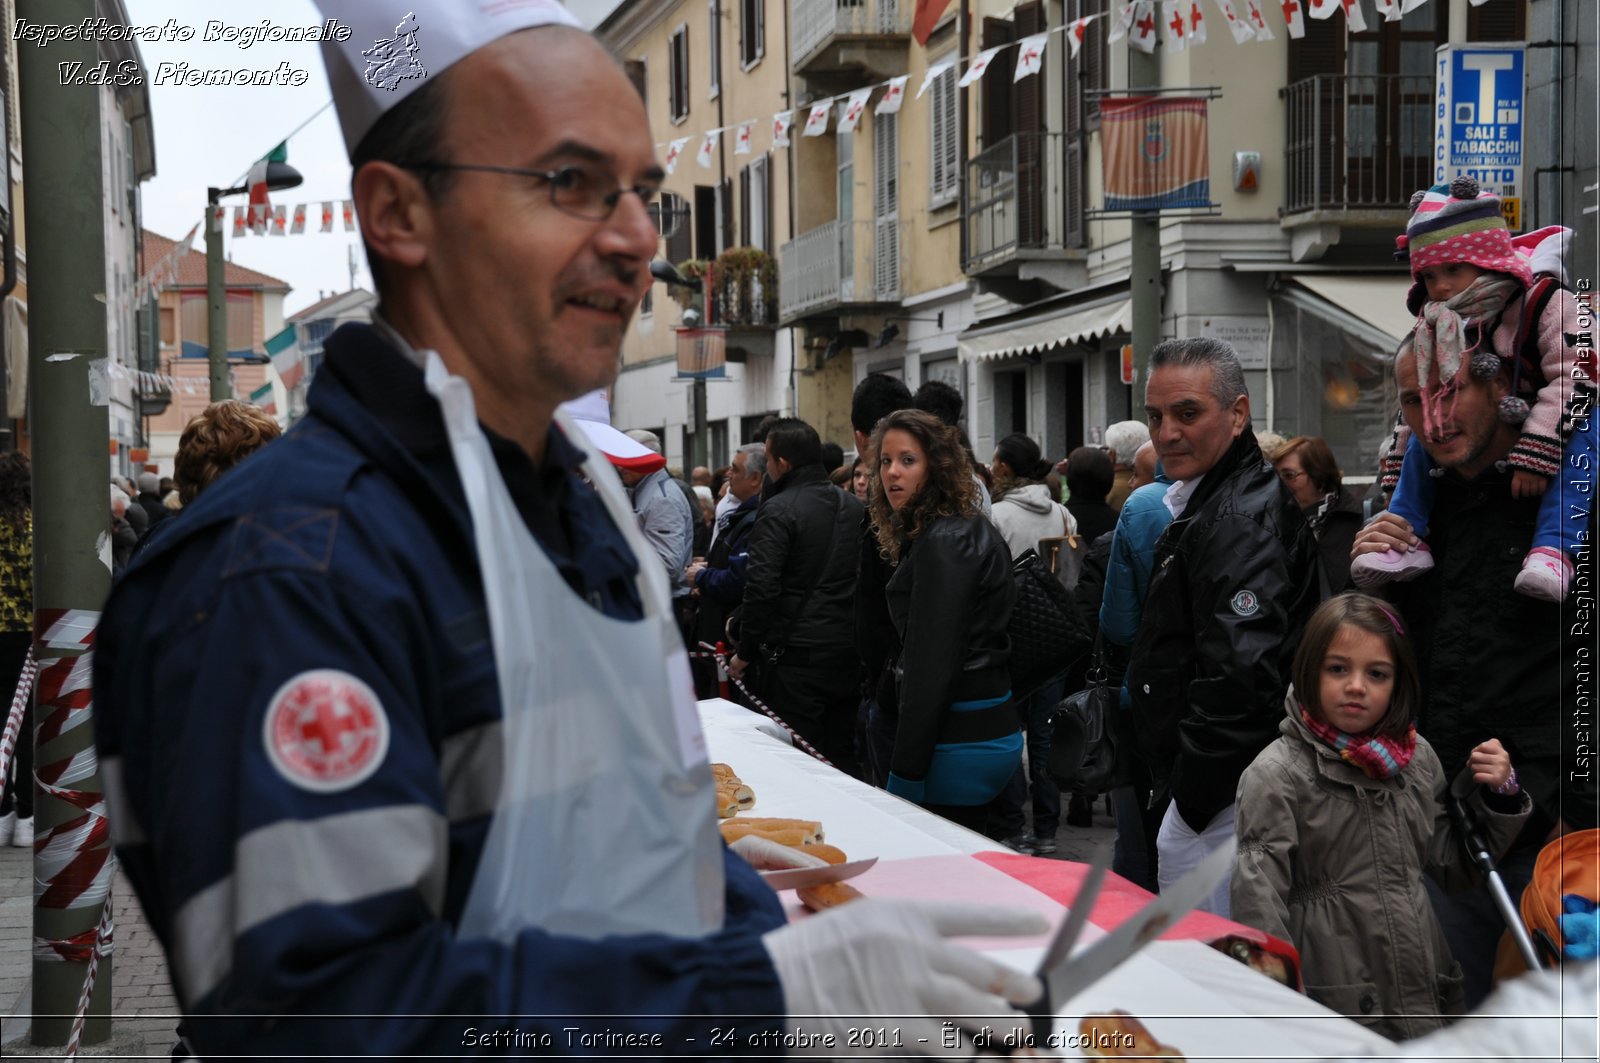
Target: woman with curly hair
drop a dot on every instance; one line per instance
(955, 739)
(215, 440)
(16, 632)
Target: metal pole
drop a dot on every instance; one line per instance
(1144, 268)
(216, 304)
(68, 418)
(702, 430)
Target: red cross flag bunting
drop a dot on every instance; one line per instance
(1076, 33)
(1390, 10)
(741, 138)
(934, 74)
(1173, 24)
(326, 731)
(1124, 22)
(782, 122)
(854, 106)
(1197, 23)
(707, 155)
(1321, 9)
(1294, 16)
(894, 94)
(1237, 26)
(1354, 15)
(1144, 26)
(817, 120)
(1258, 22)
(1030, 56)
(298, 226)
(979, 67)
(674, 150)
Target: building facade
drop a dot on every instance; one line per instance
(255, 312)
(961, 237)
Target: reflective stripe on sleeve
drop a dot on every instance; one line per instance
(334, 860)
(470, 765)
(125, 829)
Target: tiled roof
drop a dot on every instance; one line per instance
(192, 267)
(309, 313)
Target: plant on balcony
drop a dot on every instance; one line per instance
(745, 283)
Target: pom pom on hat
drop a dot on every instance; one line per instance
(1464, 187)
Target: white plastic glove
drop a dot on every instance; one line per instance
(764, 854)
(888, 958)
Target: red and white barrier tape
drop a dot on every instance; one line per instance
(755, 702)
(73, 863)
(19, 705)
(100, 946)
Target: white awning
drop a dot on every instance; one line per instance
(1042, 332)
(1377, 304)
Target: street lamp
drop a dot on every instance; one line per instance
(280, 175)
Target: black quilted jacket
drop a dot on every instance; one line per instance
(1235, 578)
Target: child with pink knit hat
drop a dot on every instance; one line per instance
(1481, 312)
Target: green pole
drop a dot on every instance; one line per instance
(216, 305)
(69, 422)
(1144, 278)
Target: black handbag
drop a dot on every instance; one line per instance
(1084, 737)
(1047, 633)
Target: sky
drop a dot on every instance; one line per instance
(209, 135)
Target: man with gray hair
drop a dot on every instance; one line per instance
(150, 498)
(1234, 579)
(718, 580)
(664, 515)
(1123, 441)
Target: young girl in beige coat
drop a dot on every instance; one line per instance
(1339, 819)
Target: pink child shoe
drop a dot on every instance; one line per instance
(1546, 574)
(1371, 570)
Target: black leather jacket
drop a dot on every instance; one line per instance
(804, 538)
(1234, 580)
(950, 599)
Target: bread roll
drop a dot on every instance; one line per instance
(827, 895)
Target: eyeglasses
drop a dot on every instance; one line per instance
(1289, 476)
(573, 189)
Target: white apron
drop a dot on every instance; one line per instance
(605, 822)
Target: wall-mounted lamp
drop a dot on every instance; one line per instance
(667, 273)
(891, 330)
(848, 339)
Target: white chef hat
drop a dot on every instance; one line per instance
(592, 412)
(394, 46)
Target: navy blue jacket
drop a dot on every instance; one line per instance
(346, 545)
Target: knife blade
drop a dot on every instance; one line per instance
(1071, 975)
(797, 878)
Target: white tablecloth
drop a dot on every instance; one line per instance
(1189, 995)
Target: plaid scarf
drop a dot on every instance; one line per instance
(1379, 756)
(1440, 339)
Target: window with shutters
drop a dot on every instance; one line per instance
(944, 167)
(886, 205)
(678, 74)
(1086, 74)
(752, 32)
(714, 44)
(755, 204)
(675, 222)
(636, 71)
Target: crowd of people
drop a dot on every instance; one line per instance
(396, 804)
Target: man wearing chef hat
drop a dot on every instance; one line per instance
(395, 723)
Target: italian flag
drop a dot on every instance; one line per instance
(263, 397)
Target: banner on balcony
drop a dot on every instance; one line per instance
(1155, 153)
(702, 353)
